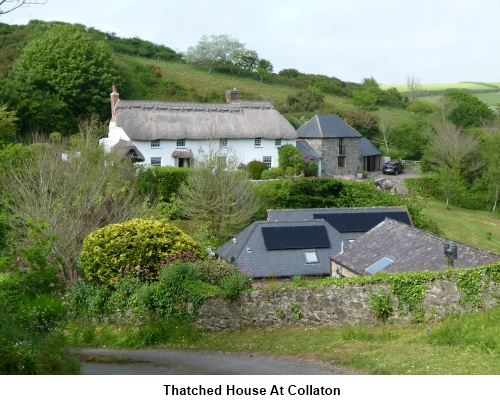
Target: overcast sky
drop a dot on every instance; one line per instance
(437, 41)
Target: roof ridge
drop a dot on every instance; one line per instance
(430, 235)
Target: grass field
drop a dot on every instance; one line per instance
(476, 228)
(446, 86)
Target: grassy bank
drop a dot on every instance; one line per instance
(476, 228)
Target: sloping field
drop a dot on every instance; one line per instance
(445, 86)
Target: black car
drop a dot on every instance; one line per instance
(393, 168)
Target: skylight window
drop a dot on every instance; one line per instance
(311, 256)
(379, 265)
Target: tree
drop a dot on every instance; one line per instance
(246, 59)
(14, 4)
(451, 183)
(67, 62)
(213, 50)
(414, 88)
(72, 187)
(470, 111)
(7, 126)
(217, 193)
(385, 125)
(452, 148)
(445, 106)
(491, 155)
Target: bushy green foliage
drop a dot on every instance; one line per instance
(470, 112)
(380, 304)
(409, 137)
(67, 61)
(272, 173)
(161, 183)
(285, 152)
(139, 244)
(330, 193)
(7, 125)
(182, 285)
(255, 169)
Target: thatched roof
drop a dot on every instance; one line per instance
(150, 120)
(126, 149)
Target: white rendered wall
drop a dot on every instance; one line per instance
(245, 148)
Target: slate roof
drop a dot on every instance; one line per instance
(350, 222)
(411, 249)
(368, 149)
(327, 126)
(250, 254)
(306, 149)
(150, 120)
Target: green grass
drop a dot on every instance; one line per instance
(445, 86)
(476, 228)
(466, 344)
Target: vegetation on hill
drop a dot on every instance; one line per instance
(58, 186)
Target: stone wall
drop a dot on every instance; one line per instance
(328, 148)
(332, 306)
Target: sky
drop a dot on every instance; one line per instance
(435, 41)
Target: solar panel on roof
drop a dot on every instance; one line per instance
(297, 237)
(361, 221)
(320, 237)
(399, 216)
(287, 238)
(271, 240)
(303, 236)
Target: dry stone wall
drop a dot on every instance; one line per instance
(331, 305)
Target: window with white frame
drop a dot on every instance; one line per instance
(311, 256)
(221, 161)
(181, 143)
(223, 142)
(277, 142)
(258, 142)
(155, 143)
(268, 160)
(156, 161)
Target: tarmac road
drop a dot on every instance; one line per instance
(177, 362)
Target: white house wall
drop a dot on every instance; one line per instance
(243, 147)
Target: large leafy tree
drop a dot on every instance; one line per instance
(470, 111)
(213, 50)
(68, 63)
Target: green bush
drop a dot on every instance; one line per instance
(255, 169)
(139, 245)
(268, 175)
(179, 290)
(161, 182)
(42, 314)
(285, 152)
